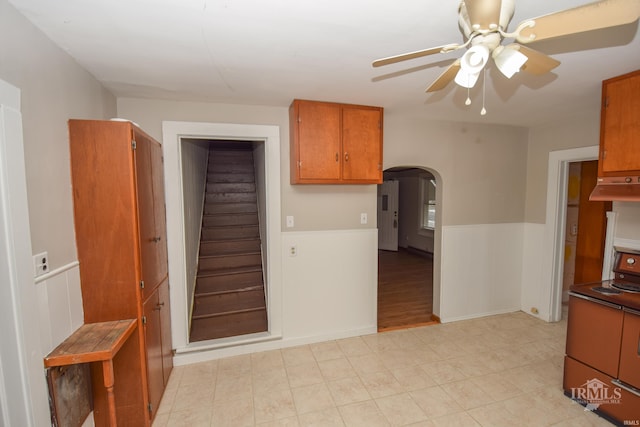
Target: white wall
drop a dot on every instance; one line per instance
(194, 179)
(628, 222)
(481, 267)
(330, 285)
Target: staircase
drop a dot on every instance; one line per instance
(229, 297)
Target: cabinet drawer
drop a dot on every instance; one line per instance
(629, 371)
(594, 333)
(589, 386)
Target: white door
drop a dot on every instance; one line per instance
(388, 195)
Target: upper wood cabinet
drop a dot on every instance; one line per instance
(620, 127)
(335, 143)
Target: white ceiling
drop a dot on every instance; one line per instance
(269, 52)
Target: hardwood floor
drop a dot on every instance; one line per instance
(405, 289)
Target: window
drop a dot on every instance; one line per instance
(428, 202)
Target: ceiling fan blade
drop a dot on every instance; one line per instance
(537, 62)
(483, 14)
(445, 78)
(416, 54)
(592, 16)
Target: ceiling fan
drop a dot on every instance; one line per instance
(484, 26)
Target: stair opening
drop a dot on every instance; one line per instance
(229, 296)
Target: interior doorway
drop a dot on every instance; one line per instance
(585, 228)
(407, 217)
(269, 137)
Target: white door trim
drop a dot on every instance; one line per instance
(172, 132)
(555, 224)
(23, 390)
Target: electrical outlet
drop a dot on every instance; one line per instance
(363, 218)
(293, 251)
(41, 264)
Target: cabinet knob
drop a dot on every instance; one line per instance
(346, 156)
(155, 239)
(337, 157)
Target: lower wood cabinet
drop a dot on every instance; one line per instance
(157, 331)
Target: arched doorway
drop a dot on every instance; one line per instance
(407, 224)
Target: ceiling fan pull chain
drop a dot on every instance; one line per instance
(468, 100)
(484, 85)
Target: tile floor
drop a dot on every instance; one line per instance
(501, 370)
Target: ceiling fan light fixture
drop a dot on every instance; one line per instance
(474, 59)
(509, 61)
(465, 79)
(471, 63)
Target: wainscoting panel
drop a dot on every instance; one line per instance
(59, 305)
(481, 270)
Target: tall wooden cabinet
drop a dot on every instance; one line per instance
(335, 143)
(119, 212)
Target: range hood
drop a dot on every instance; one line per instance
(621, 189)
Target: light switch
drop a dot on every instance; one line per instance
(289, 221)
(363, 218)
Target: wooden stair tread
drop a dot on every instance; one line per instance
(228, 271)
(226, 227)
(230, 291)
(230, 254)
(226, 313)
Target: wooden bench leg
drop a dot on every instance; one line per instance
(108, 378)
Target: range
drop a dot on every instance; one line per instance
(602, 362)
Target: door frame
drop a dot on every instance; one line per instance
(172, 133)
(555, 224)
(437, 232)
(23, 389)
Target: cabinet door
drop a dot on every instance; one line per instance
(362, 144)
(318, 141)
(153, 251)
(594, 333)
(159, 210)
(165, 330)
(153, 345)
(620, 125)
(630, 349)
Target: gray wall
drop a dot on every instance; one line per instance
(54, 88)
(483, 167)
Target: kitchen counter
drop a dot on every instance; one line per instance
(625, 299)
